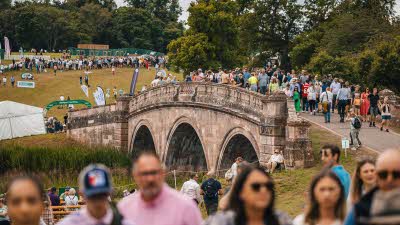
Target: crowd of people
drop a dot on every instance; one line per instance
(371, 196)
(310, 93)
(64, 63)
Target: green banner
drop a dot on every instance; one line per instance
(68, 102)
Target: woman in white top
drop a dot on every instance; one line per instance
(71, 198)
(386, 115)
(326, 204)
(312, 98)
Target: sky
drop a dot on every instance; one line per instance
(185, 5)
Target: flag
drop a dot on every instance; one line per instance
(133, 83)
(99, 97)
(85, 90)
(7, 47)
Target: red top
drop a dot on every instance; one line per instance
(304, 90)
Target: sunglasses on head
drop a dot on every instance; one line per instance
(257, 186)
(383, 174)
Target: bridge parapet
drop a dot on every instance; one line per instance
(254, 106)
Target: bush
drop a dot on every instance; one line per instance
(43, 159)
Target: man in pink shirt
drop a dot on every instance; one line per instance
(96, 184)
(156, 203)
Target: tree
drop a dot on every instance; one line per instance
(271, 26)
(97, 20)
(217, 20)
(131, 28)
(318, 11)
(191, 52)
(304, 47)
(5, 4)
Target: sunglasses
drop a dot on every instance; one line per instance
(150, 173)
(257, 186)
(383, 174)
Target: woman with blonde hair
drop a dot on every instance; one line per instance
(273, 86)
(71, 199)
(356, 101)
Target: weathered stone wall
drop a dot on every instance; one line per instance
(106, 125)
(216, 112)
(298, 151)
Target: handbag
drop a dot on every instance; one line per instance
(325, 107)
(325, 104)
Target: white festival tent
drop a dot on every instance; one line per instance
(18, 120)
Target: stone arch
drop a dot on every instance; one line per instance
(234, 141)
(142, 139)
(185, 148)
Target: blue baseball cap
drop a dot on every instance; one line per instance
(95, 179)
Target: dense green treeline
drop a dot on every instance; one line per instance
(60, 24)
(357, 40)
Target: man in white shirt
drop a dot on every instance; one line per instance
(155, 82)
(191, 188)
(235, 166)
(275, 162)
(335, 86)
(326, 99)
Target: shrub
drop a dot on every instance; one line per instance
(43, 159)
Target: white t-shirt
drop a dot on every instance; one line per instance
(335, 86)
(155, 82)
(299, 220)
(326, 96)
(234, 169)
(276, 158)
(71, 200)
(191, 189)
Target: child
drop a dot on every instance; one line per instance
(355, 126)
(113, 70)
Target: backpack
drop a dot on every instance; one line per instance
(211, 190)
(357, 123)
(117, 217)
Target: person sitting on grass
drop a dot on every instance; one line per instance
(275, 161)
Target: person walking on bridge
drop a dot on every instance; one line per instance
(343, 96)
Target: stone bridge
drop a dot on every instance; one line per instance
(197, 126)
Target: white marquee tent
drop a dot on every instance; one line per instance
(18, 120)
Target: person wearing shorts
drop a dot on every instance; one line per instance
(373, 108)
(386, 115)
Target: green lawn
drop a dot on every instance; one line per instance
(49, 87)
(291, 185)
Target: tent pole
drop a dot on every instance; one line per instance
(12, 134)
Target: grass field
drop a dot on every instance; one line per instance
(291, 185)
(49, 87)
